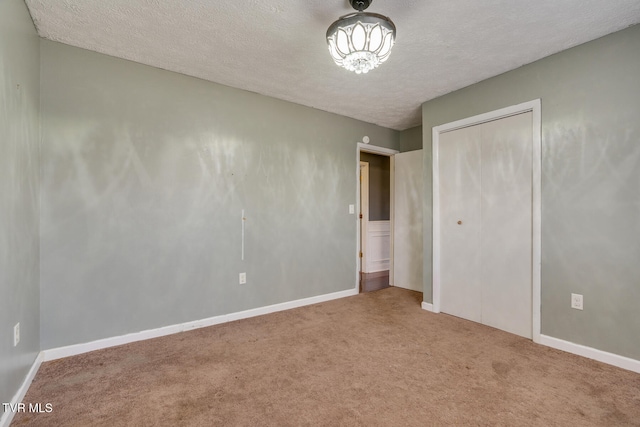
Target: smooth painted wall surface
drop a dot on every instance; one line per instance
(379, 186)
(411, 139)
(145, 174)
(19, 194)
(590, 99)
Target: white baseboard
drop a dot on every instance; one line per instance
(72, 350)
(7, 417)
(378, 266)
(427, 306)
(592, 353)
(581, 350)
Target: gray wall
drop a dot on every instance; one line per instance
(144, 176)
(590, 183)
(379, 186)
(411, 139)
(19, 194)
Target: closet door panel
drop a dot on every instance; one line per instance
(506, 240)
(459, 162)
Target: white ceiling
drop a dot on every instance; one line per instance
(277, 47)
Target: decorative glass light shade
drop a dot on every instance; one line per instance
(361, 41)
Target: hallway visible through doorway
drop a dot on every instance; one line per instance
(375, 221)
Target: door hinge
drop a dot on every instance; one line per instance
(360, 216)
(360, 254)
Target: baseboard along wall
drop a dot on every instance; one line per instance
(72, 350)
(592, 353)
(427, 306)
(7, 416)
(580, 350)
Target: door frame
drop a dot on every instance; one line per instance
(382, 151)
(363, 209)
(536, 168)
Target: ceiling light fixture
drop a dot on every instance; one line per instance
(361, 41)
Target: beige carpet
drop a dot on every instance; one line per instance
(369, 360)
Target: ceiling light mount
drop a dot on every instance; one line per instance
(360, 5)
(361, 41)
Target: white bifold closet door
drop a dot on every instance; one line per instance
(486, 223)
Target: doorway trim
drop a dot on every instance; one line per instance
(364, 211)
(382, 151)
(536, 168)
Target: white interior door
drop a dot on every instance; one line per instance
(408, 193)
(486, 223)
(460, 202)
(506, 224)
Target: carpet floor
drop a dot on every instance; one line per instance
(375, 359)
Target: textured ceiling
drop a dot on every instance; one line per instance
(277, 47)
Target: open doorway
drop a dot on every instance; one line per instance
(375, 231)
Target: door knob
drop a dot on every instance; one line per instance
(459, 222)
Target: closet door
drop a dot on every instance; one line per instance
(486, 223)
(506, 241)
(460, 195)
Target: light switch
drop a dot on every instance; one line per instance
(352, 209)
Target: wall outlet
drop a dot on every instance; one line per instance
(16, 334)
(576, 301)
(243, 278)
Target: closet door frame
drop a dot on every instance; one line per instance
(536, 168)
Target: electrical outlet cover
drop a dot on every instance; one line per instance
(576, 301)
